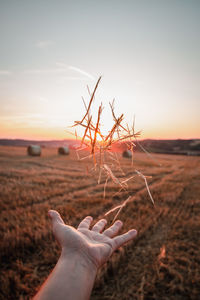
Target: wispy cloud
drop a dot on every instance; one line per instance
(63, 70)
(44, 44)
(5, 73)
(82, 72)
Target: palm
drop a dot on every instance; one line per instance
(99, 246)
(94, 244)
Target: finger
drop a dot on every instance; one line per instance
(113, 230)
(99, 226)
(85, 223)
(55, 217)
(120, 240)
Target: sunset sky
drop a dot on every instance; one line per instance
(148, 53)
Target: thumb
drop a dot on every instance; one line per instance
(55, 217)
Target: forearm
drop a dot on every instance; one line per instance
(72, 279)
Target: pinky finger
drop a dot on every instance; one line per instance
(120, 240)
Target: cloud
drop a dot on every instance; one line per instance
(5, 72)
(43, 44)
(81, 72)
(62, 70)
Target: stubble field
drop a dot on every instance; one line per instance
(163, 262)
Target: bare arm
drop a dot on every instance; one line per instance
(83, 252)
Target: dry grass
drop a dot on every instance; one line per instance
(29, 186)
(100, 146)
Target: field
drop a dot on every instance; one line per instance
(162, 263)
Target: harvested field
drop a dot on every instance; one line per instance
(162, 263)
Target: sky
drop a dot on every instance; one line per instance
(147, 51)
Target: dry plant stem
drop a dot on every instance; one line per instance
(85, 105)
(116, 159)
(143, 149)
(88, 156)
(112, 210)
(111, 175)
(92, 97)
(79, 149)
(120, 207)
(77, 155)
(96, 129)
(147, 186)
(115, 126)
(118, 192)
(114, 117)
(126, 180)
(90, 139)
(85, 133)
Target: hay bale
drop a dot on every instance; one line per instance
(34, 150)
(127, 154)
(63, 150)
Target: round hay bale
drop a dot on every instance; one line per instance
(127, 154)
(34, 150)
(63, 150)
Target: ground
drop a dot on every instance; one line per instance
(162, 263)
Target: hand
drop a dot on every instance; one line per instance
(95, 245)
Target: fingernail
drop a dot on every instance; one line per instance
(133, 232)
(50, 213)
(118, 222)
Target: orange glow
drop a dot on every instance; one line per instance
(49, 131)
(34, 133)
(61, 133)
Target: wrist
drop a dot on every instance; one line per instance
(80, 260)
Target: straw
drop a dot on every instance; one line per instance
(100, 144)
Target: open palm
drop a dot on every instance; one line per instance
(94, 244)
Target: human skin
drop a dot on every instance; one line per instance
(84, 251)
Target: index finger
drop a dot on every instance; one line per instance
(85, 223)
